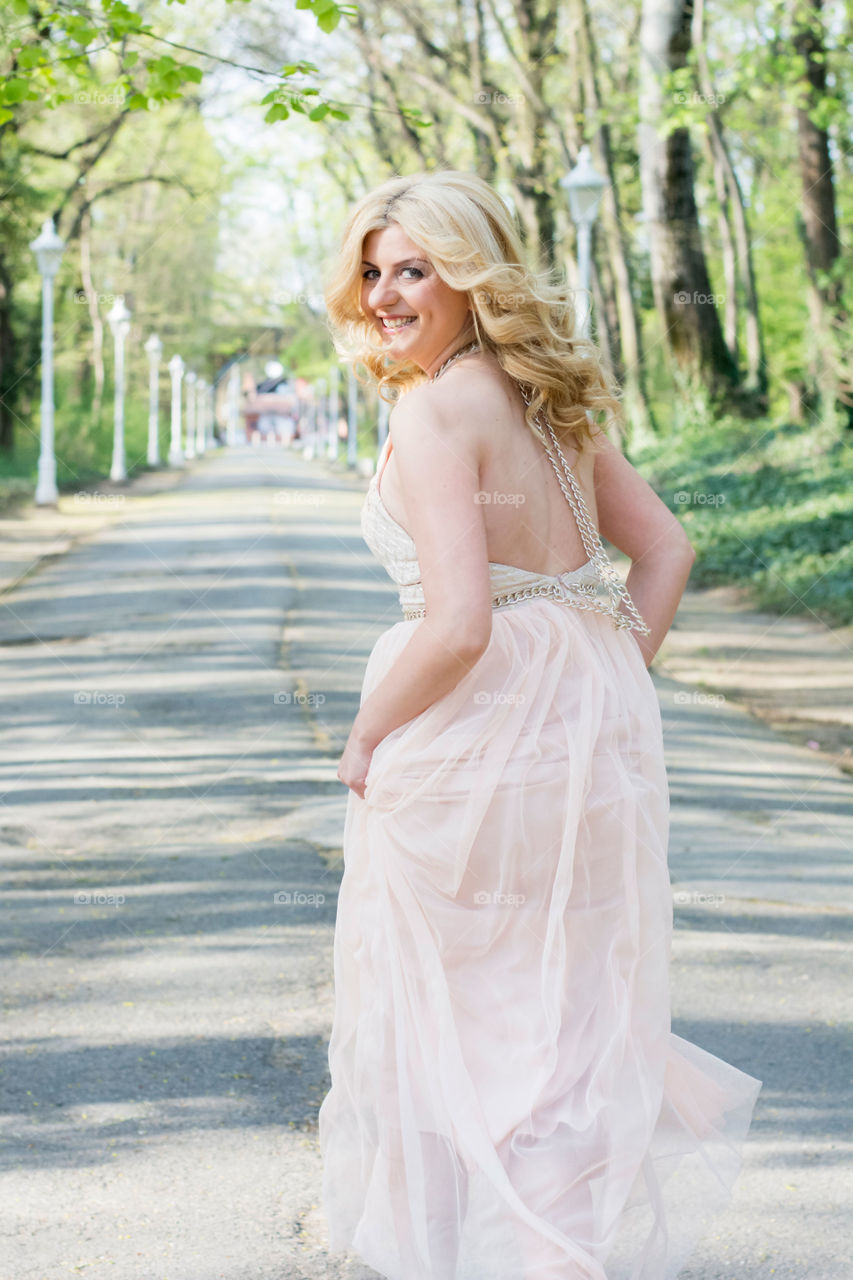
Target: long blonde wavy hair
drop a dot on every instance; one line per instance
(525, 318)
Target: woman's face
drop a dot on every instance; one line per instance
(419, 317)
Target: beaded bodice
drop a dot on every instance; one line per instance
(594, 585)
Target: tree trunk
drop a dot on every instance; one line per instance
(94, 315)
(682, 289)
(734, 230)
(623, 322)
(7, 358)
(818, 227)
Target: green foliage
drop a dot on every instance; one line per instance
(48, 58)
(765, 506)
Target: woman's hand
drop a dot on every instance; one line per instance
(355, 762)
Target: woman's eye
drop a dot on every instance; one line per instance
(372, 272)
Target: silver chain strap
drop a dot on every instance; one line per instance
(589, 534)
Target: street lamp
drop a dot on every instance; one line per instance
(189, 383)
(176, 372)
(584, 186)
(119, 321)
(233, 403)
(200, 416)
(154, 348)
(48, 249)
(352, 418)
(334, 409)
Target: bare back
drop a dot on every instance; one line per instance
(528, 521)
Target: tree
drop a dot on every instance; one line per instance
(680, 280)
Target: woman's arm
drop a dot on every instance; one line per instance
(438, 464)
(638, 523)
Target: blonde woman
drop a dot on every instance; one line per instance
(508, 1101)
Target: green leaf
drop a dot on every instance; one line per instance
(337, 114)
(137, 102)
(277, 112)
(329, 20)
(319, 111)
(5, 115)
(30, 56)
(192, 73)
(16, 90)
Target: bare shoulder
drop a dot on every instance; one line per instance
(460, 408)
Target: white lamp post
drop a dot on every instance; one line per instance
(233, 411)
(211, 414)
(334, 409)
(47, 247)
(584, 186)
(382, 424)
(154, 348)
(119, 322)
(352, 418)
(176, 372)
(189, 382)
(200, 416)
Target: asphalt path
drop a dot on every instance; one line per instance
(177, 687)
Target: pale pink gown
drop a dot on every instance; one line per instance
(508, 1101)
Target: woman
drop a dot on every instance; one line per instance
(507, 1100)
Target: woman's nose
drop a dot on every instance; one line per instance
(381, 293)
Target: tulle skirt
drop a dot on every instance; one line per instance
(507, 1099)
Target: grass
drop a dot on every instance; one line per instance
(766, 507)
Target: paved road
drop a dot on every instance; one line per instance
(177, 688)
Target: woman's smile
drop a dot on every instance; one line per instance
(403, 295)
